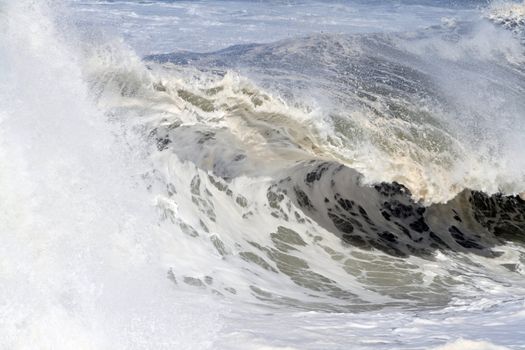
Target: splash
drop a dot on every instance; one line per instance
(82, 265)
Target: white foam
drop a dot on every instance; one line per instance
(82, 265)
(464, 344)
(508, 13)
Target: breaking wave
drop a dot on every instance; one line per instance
(382, 104)
(333, 173)
(361, 138)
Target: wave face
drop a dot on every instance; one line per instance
(312, 192)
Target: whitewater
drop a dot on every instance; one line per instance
(262, 175)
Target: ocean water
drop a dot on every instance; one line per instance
(262, 174)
